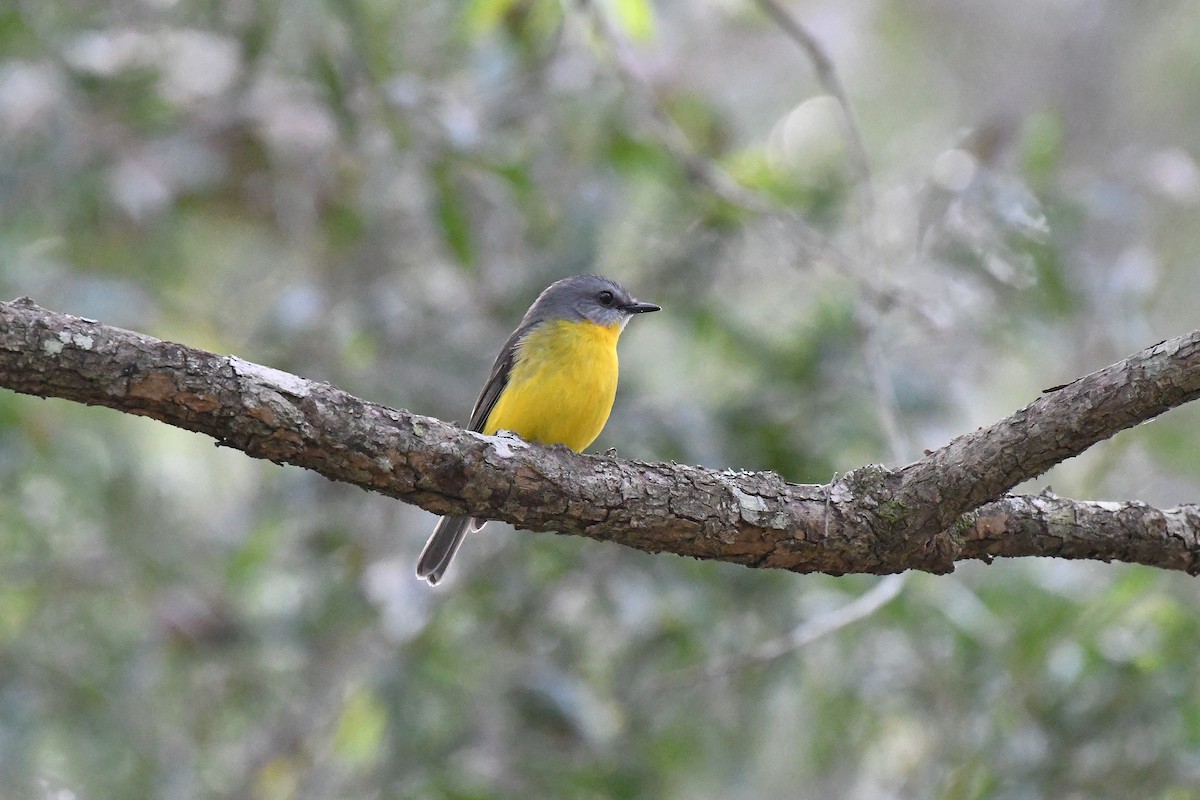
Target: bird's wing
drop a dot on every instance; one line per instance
(497, 380)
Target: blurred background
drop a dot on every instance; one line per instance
(370, 193)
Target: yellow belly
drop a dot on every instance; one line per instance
(562, 385)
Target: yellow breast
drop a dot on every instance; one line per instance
(561, 388)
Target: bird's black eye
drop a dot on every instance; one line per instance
(606, 298)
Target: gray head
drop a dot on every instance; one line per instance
(586, 297)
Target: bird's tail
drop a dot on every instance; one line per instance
(443, 543)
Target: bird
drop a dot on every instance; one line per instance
(553, 382)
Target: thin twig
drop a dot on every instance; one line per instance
(670, 134)
(827, 76)
(807, 632)
(882, 385)
(716, 180)
(695, 165)
(860, 165)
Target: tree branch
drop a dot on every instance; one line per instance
(871, 520)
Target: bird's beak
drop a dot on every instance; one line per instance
(637, 307)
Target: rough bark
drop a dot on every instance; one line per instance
(948, 506)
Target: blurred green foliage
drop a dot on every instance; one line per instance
(370, 193)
